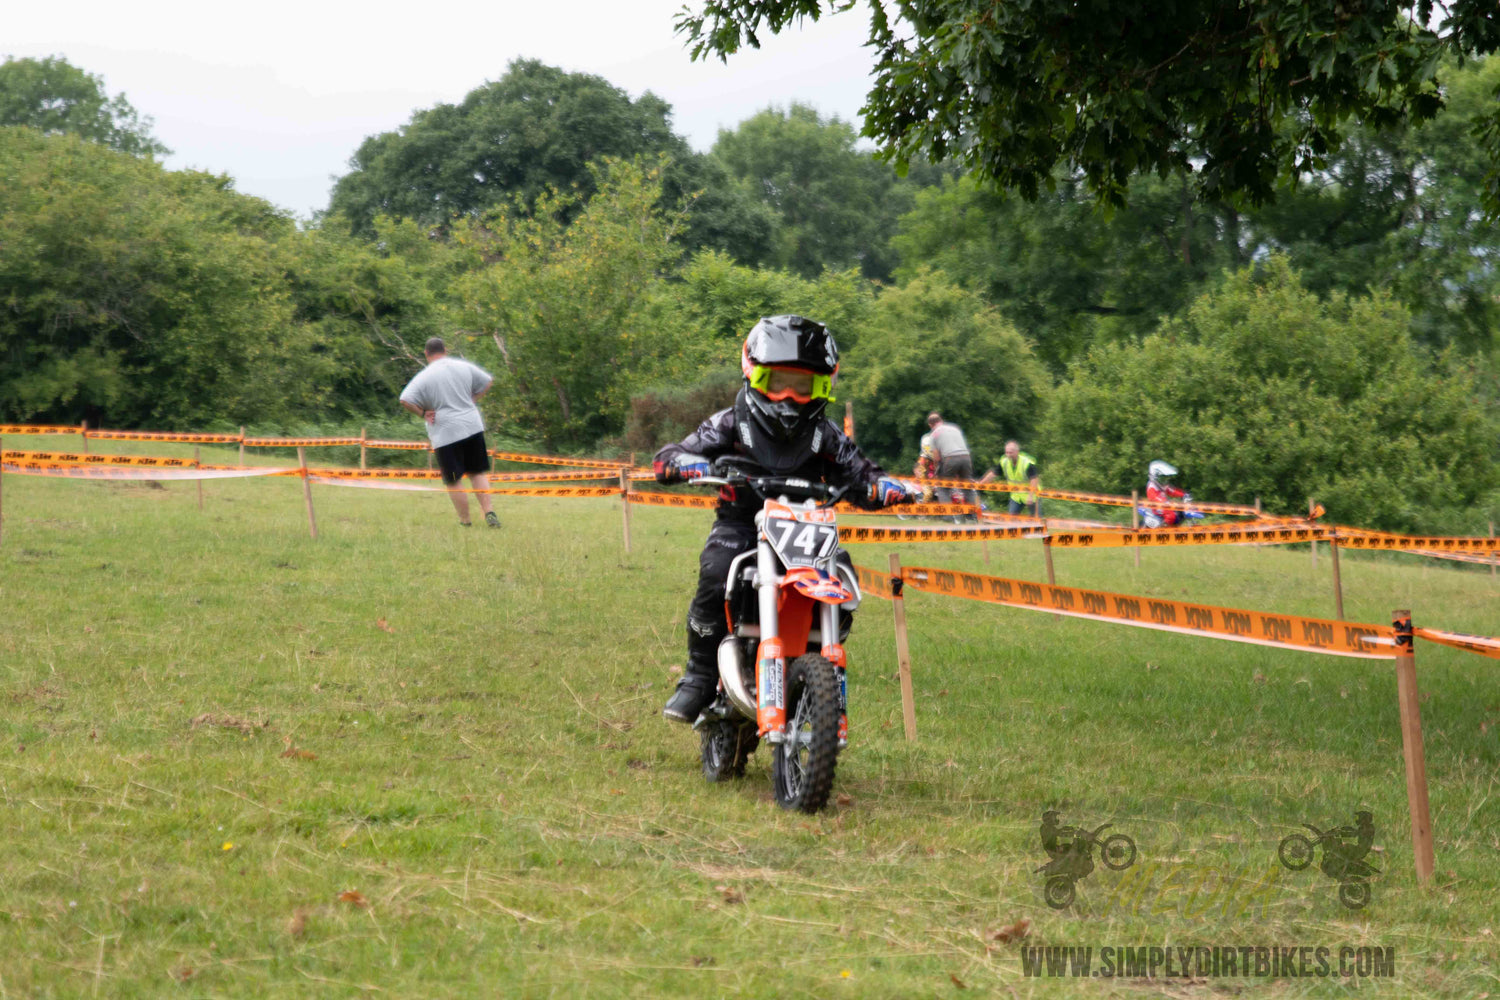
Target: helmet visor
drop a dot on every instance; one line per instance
(790, 383)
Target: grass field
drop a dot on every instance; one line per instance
(410, 759)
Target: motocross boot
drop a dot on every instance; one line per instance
(700, 680)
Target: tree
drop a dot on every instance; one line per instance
(538, 128)
(1262, 389)
(558, 305)
(931, 345)
(836, 206)
(1065, 273)
(56, 98)
(1241, 95)
(142, 297)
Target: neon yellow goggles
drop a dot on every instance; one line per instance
(790, 383)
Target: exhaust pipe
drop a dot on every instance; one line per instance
(732, 674)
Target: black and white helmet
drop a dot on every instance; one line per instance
(790, 364)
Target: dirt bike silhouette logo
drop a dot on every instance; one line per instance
(1344, 850)
(1071, 849)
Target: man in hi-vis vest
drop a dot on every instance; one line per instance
(1019, 469)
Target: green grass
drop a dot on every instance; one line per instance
(490, 773)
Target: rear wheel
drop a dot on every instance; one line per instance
(726, 744)
(802, 767)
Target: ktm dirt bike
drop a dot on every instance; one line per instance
(781, 668)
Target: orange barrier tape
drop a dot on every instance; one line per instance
(879, 584)
(108, 472)
(38, 429)
(295, 442)
(1278, 534)
(1318, 635)
(911, 510)
(399, 445)
(579, 463)
(1484, 645)
(564, 492)
(504, 477)
(81, 458)
(672, 499)
(1490, 560)
(1359, 538)
(1102, 499)
(957, 533)
(163, 436)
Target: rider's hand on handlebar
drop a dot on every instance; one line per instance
(682, 467)
(886, 492)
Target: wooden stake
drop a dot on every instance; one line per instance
(903, 653)
(1338, 586)
(625, 505)
(242, 444)
(1411, 748)
(1257, 508)
(1047, 551)
(363, 437)
(198, 463)
(1314, 546)
(984, 544)
(1135, 521)
(83, 432)
(312, 522)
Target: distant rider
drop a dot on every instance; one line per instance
(778, 424)
(1159, 488)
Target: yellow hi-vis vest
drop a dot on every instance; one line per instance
(1018, 474)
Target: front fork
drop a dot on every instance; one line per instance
(770, 662)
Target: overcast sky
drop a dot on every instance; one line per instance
(280, 94)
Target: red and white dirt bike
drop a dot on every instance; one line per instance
(781, 668)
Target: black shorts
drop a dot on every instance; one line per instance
(463, 458)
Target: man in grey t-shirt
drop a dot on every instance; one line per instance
(953, 459)
(443, 394)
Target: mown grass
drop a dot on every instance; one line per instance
(211, 727)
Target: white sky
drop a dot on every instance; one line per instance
(278, 96)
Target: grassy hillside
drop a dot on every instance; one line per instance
(213, 728)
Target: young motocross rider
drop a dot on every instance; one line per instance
(777, 424)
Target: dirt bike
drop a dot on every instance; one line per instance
(1352, 874)
(781, 668)
(1117, 851)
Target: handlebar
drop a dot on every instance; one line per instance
(768, 487)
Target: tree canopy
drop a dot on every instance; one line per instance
(55, 97)
(1239, 95)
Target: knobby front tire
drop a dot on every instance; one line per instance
(802, 767)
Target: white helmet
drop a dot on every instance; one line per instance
(1160, 470)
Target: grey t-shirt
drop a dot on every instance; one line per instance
(949, 441)
(448, 385)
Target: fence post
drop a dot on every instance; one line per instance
(1047, 551)
(1135, 521)
(903, 652)
(363, 437)
(1411, 747)
(625, 505)
(1313, 545)
(1338, 585)
(242, 444)
(83, 432)
(312, 522)
(198, 464)
(1257, 508)
(985, 545)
